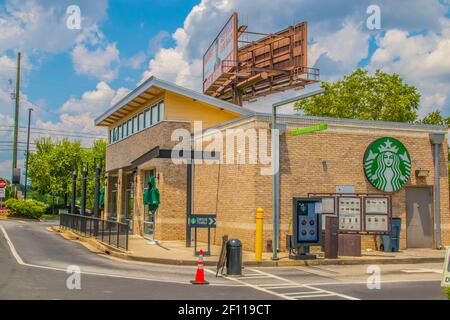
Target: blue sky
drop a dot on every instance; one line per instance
(71, 76)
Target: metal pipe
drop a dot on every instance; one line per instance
(275, 183)
(437, 196)
(276, 165)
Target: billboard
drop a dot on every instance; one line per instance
(221, 55)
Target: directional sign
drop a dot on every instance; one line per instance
(202, 221)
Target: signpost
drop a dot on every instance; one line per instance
(202, 221)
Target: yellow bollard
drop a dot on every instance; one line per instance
(259, 234)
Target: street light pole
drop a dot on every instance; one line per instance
(276, 165)
(28, 153)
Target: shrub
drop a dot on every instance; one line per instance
(26, 208)
(447, 292)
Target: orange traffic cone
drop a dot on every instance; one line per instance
(200, 274)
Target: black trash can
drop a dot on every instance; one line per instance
(234, 257)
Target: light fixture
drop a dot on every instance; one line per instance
(420, 173)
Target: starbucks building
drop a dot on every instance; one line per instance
(365, 172)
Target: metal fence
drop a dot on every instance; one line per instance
(110, 232)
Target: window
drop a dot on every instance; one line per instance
(161, 111)
(147, 118)
(110, 136)
(135, 125)
(120, 132)
(154, 114)
(141, 121)
(125, 130)
(130, 127)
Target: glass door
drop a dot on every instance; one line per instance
(149, 217)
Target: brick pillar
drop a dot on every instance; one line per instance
(120, 193)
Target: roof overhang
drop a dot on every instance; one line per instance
(152, 88)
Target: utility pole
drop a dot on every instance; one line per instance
(16, 119)
(28, 151)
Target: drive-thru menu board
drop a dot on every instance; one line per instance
(376, 214)
(349, 209)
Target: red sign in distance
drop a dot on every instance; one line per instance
(2, 184)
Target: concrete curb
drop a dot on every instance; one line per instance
(100, 248)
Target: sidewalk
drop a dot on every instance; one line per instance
(176, 253)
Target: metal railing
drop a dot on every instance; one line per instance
(110, 232)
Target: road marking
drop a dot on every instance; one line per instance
(285, 284)
(304, 285)
(422, 271)
(21, 262)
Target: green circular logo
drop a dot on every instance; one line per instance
(387, 164)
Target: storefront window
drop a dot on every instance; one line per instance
(146, 119)
(112, 205)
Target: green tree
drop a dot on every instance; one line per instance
(51, 167)
(362, 96)
(435, 117)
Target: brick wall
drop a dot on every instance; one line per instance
(315, 162)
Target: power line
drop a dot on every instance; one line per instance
(90, 133)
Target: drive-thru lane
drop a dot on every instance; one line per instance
(33, 266)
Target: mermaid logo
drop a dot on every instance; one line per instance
(387, 164)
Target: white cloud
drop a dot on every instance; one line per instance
(77, 114)
(95, 57)
(40, 25)
(337, 28)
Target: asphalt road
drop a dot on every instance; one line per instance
(34, 261)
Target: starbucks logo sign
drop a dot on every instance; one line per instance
(387, 164)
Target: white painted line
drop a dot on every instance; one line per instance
(255, 287)
(21, 262)
(422, 271)
(278, 285)
(303, 293)
(254, 277)
(306, 286)
(315, 296)
(11, 247)
(365, 282)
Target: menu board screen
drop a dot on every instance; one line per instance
(376, 222)
(377, 205)
(328, 205)
(349, 214)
